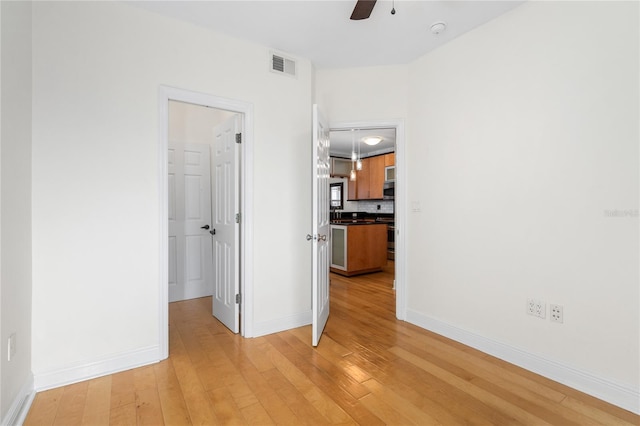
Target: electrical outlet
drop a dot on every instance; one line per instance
(556, 313)
(11, 347)
(531, 306)
(536, 307)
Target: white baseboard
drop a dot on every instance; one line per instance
(619, 394)
(101, 367)
(20, 406)
(281, 324)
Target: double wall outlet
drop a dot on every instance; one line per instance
(537, 308)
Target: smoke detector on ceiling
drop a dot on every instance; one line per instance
(438, 27)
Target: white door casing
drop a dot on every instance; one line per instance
(226, 218)
(245, 109)
(320, 234)
(189, 210)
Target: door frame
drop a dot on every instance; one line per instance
(400, 203)
(166, 94)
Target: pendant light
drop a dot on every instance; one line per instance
(352, 175)
(359, 160)
(354, 157)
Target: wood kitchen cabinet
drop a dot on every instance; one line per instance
(353, 190)
(376, 177)
(358, 249)
(357, 187)
(362, 180)
(370, 179)
(390, 159)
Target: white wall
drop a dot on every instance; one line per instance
(190, 123)
(522, 139)
(527, 139)
(96, 71)
(357, 94)
(15, 201)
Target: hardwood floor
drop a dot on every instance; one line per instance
(369, 369)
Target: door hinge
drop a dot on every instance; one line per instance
(238, 217)
(238, 137)
(238, 298)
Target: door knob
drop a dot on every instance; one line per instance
(213, 231)
(322, 238)
(204, 227)
(309, 237)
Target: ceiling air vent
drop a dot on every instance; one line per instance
(280, 64)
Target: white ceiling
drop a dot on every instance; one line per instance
(343, 140)
(320, 30)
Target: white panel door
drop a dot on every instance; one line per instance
(321, 235)
(190, 246)
(226, 246)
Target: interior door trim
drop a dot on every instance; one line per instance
(166, 94)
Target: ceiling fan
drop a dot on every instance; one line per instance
(363, 9)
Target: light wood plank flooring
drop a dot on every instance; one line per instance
(369, 369)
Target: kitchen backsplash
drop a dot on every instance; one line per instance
(386, 206)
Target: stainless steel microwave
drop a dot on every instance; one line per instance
(389, 190)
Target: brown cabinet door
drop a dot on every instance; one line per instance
(367, 247)
(363, 180)
(353, 190)
(390, 159)
(376, 177)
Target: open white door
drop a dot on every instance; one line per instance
(226, 227)
(190, 266)
(321, 235)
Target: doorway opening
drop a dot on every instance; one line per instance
(192, 197)
(236, 215)
(383, 198)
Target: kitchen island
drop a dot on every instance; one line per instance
(358, 247)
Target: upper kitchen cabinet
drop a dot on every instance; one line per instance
(390, 167)
(376, 177)
(370, 180)
(340, 167)
(362, 181)
(390, 159)
(352, 190)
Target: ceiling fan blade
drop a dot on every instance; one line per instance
(363, 9)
